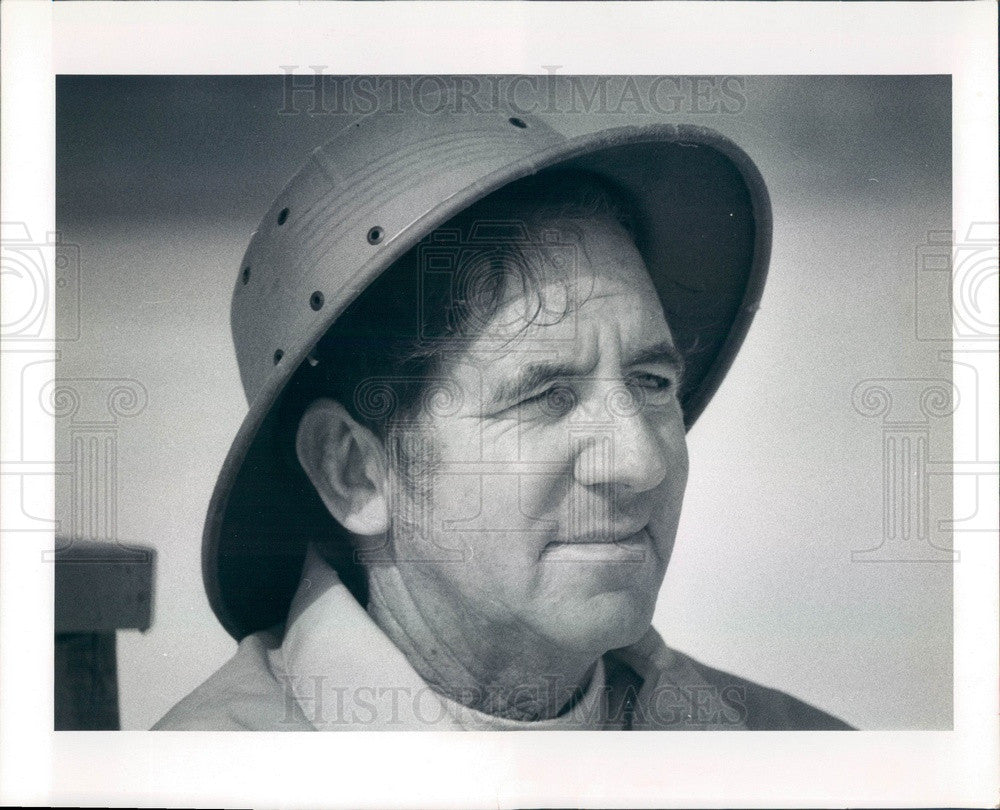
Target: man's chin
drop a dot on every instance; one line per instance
(608, 627)
(630, 632)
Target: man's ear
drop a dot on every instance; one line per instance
(347, 464)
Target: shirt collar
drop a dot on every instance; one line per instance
(345, 672)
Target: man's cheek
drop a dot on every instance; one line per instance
(473, 498)
(481, 515)
(666, 501)
(679, 463)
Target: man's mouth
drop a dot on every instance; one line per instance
(625, 534)
(597, 546)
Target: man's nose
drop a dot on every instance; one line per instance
(627, 451)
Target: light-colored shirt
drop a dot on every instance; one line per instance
(331, 668)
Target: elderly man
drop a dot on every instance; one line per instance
(472, 349)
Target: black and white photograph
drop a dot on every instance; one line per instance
(501, 402)
(473, 333)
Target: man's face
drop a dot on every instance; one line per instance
(559, 459)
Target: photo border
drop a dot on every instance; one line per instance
(925, 768)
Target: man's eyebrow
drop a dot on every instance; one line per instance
(529, 377)
(535, 375)
(663, 352)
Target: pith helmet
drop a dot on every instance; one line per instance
(371, 194)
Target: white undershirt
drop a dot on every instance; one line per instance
(588, 713)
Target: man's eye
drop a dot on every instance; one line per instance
(557, 400)
(651, 382)
(539, 397)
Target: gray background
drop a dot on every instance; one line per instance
(161, 180)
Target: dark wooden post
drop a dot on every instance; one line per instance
(101, 587)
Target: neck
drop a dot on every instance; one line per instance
(506, 671)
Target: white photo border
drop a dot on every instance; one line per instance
(37, 766)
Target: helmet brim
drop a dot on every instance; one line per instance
(704, 209)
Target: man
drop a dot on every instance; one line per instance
(472, 348)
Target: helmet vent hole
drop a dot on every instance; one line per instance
(277, 356)
(246, 274)
(375, 235)
(517, 122)
(282, 216)
(316, 301)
